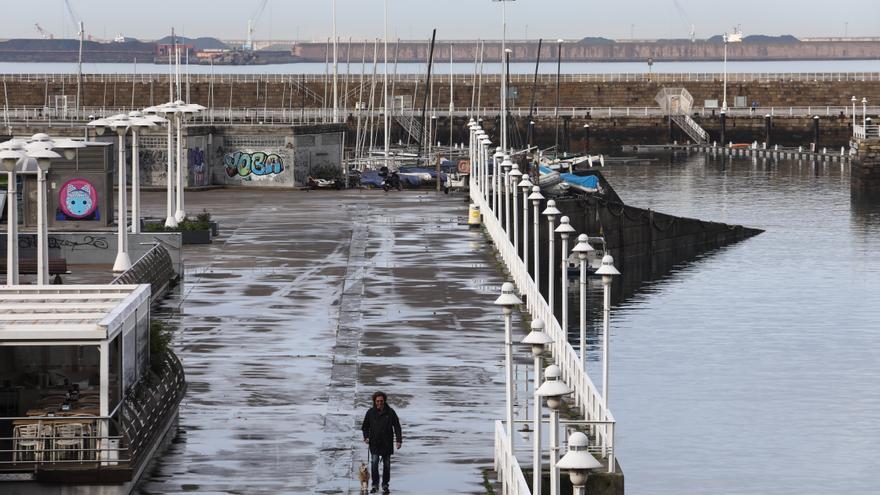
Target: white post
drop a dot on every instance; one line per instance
(180, 214)
(507, 201)
(42, 230)
(563, 266)
(536, 261)
(554, 451)
(514, 186)
(536, 427)
(724, 101)
(606, 314)
(104, 397)
(503, 76)
(123, 262)
(496, 186)
(551, 227)
(508, 370)
(135, 183)
(335, 67)
(583, 313)
(12, 231)
(525, 238)
(170, 219)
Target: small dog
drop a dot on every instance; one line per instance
(364, 475)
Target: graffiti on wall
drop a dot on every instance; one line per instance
(245, 165)
(78, 200)
(198, 169)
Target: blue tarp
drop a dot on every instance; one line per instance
(588, 181)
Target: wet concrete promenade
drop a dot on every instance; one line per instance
(305, 305)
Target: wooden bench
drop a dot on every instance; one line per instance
(28, 266)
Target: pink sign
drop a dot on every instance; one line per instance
(78, 199)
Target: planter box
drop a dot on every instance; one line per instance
(196, 236)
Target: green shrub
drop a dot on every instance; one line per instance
(160, 344)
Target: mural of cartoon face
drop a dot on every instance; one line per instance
(78, 198)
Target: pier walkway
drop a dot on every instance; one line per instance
(306, 304)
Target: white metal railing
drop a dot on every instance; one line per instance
(314, 115)
(587, 397)
(691, 128)
(733, 77)
(866, 131)
(508, 468)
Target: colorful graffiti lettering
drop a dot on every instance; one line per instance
(258, 163)
(78, 200)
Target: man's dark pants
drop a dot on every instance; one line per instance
(374, 468)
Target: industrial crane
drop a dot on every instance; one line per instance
(249, 45)
(686, 19)
(46, 35)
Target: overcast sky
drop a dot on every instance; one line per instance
(469, 19)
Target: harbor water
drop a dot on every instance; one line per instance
(754, 368)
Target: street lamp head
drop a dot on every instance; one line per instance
(864, 100)
(583, 247)
(514, 173)
(553, 387)
(607, 269)
(68, 147)
(100, 125)
(565, 227)
(551, 210)
(536, 195)
(560, 40)
(41, 137)
(506, 164)
(508, 298)
(43, 157)
(10, 159)
(578, 460)
(537, 338)
(525, 184)
(854, 99)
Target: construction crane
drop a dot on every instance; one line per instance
(249, 45)
(687, 20)
(75, 21)
(46, 35)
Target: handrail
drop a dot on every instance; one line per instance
(866, 131)
(507, 466)
(464, 78)
(591, 403)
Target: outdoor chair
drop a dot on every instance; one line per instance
(68, 437)
(27, 438)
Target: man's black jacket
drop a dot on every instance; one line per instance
(381, 426)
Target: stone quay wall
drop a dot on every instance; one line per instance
(294, 92)
(865, 174)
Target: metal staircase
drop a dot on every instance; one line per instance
(697, 134)
(410, 124)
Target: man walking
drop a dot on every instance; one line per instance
(380, 428)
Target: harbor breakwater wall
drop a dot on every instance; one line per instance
(575, 91)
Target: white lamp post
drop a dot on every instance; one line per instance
(482, 154)
(506, 164)
(123, 261)
(538, 339)
(724, 100)
(583, 250)
(514, 176)
(496, 183)
(536, 197)
(607, 271)
(551, 212)
(854, 100)
(578, 461)
(184, 110)
(138, 121)
(170, 111)
(553, 389)
(39, 150)
(10, 155)
(508, 300)
(865, 113)
(526, 185)
(564, 230)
